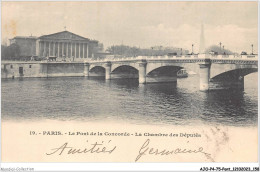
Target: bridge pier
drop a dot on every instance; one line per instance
(205, 75)
(86, 69)
(241, 83)
(108, 70)
(236, 83)
(142, 72)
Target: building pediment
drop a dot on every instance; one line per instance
(65, 35)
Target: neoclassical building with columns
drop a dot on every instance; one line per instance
(65, 45)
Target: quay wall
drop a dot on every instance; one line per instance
(34, 69)
(65, 69)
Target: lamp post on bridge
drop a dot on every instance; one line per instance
(252, 48)
(224, 49)
(220, 47)
(192, 48)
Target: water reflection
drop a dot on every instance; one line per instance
(225, 106)
(93, 98)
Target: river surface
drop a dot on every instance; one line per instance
(93, 99)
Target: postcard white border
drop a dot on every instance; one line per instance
(126, 166)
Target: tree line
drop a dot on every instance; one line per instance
(11, 52)
(131, 51)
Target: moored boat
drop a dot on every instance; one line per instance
(182, 73)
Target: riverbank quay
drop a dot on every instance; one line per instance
(18, 69)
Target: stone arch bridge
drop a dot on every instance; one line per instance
(214, 71)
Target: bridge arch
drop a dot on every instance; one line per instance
(233, 74)
(97, 69)
(115, 66)
(218, 71)
(122, 68)
(167, 70)
(153, 66)
(124, 71)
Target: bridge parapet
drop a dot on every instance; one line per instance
(193, 56)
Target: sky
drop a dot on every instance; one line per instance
(141, 24)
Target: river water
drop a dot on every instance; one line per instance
(94, 99)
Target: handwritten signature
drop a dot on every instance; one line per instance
(144, 150)
(94, 148)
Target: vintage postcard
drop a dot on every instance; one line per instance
(129, 82)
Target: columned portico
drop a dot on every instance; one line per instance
(64, 45)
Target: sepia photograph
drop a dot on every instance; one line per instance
(129, 82)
